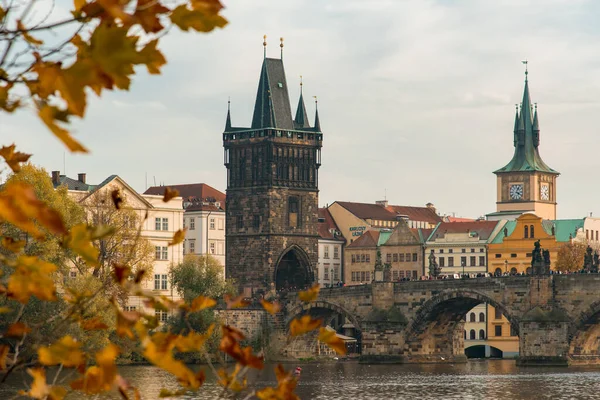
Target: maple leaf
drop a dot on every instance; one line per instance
(330, 338)
(286, 384)
(147, 15)
(13, 158)
(65, 351)
(170, 194)
(125, 321)
(69, 82)
(32, 276)
(117, 199)
(309, 295)
(102, 376)
(20, 207)
(199, 19)
(237, 302)
(5, 103)
(178, 237)
(13, 245)
(17, 330)
(40, 389)
(3, 356)
(304, 324)
(80, 241)
(193, 341)
(152, 58)
(49, 115)
(271, 308)
(201, 302)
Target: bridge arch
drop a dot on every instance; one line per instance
(305, 308)
(584, 331)
(293, 269)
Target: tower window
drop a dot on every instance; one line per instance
(294, 212)
(531, 231)
(239, 221)
(526, 234)
(256, 222)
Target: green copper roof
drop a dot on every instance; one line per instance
(565, 227)
(510, 227)
(383, 237)
(526, 141)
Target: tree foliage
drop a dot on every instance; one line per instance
(570, 256)
(200, 275)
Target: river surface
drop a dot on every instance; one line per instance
(493, 379)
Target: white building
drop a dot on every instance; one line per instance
(204, 218)
(159, 221)
(331, 245)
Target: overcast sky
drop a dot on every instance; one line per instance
(416, 99)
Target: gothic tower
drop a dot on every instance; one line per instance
(526, 183)
(272, 190)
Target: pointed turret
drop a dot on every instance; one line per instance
(301, 120)
(516, 129)
(228, 120)
(536, 129)
(317, 122)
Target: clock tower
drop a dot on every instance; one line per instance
(526, 183)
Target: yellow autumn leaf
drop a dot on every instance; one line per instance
(330, 338)
(236, 302)
(232, 381)
(170, 194)
(13, 245)
(3, 356)
(304, 324)
(32, 276)
(309, 295)
(5, 310)
(178, 237)
(147, 14)
(152, 58)
(70, 83)
(200, 19)
(201, 302)
(17, 330)
(49, 116)
(6, 103)
(20, 206)
(25, 32)
(100, 377)
(193, 341)
(66, 351)
(13, 158)
(80, 241)
(271, 308)
(168, 393)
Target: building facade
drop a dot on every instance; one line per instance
(331, 251)
(272, 190)
(526, 183)
(160, 220)
(203, 219)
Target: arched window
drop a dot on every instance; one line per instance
(528, 271)
(481, 334)
(526, 235)
(465, 335)
(531, 231)
(513, 271)
(472, 317)
(481, 317)
(498, 272)
(472, 334)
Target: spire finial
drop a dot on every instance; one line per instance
(265, 45)
(526, 72)
(300, 84)
(535, 106)
(281, 45)
(316, 101)
(228, 102)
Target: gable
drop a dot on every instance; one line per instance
(402, 235)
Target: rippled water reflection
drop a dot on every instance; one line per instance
(496, 379)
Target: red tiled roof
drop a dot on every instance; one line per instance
(459, 219)
(483, 228)
(190, 190)
(326, 227)
(368, 239)
(416, 213)
(204, 207)
(368, 211)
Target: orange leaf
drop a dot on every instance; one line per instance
(309, 295)
(101, 377)
(49, 115)
(237, 302)
(116, 198)
(231, 381)
(27, 36)
(13, 245)
(80, 241)
(147, 15)
(330, 338)
(65, 351)
(152, 58)
(178, 237)
(69, 82)
(304, 324)
(93, 324)
(271, 308)
(125, 321)
(200, 20)
(32, 276)
(201, 302)
(13, 158)
(193, 341)
(286, 384)
(121, 273)
(3, 356)
(170, 194)
(17, 330)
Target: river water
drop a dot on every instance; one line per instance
(490, 380)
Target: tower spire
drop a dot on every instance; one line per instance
(317, 122)
(265, 46)
(536, 128)
(281, 46)
(516, 128)
(228, 120)
(301, 120)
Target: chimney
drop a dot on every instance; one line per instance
(55, 178)
(81, 177)
(430, 206)
(382, 203)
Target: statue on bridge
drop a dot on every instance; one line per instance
(434, 269)
(590, 262)
(540, 260)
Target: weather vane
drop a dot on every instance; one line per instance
(525, 62)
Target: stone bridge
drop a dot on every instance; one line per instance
(557, 317)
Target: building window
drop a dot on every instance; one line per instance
(442, 252)
(294, 212)
(239, 222)
(221, 224)
(441, 261)
(193, 246)
(160, 315)
(472, 250)
(73, 274)
(157, 224)
(130, 308)
(363, 276)
(497, 314)
(353, 279)
(450, 250)
(463, 250)
(395, 257)
(165, 253)
(481, 334)
(157, 252)
(212, 247)
(498, 330)
(184, 223)
(463, 261)
(336, 273)
(212, 223)
(353, 258)
(481, 317)
(160, 282)
(498, 255)
(481, 250)
(513, 255)
(336, 252)
(401, 257)
(368, 258)
(415, 256)
(326, 274)
(531, 231)
(526, 233)
(451, 261)
(363, 258)
(473, 261)
(325, 251)
(192, 224)
(165, 224)
(472, 317)
(407, 257)
(472, 334)
(255, 222)
(395, 275)
(482, 261)
(388, 257)
(368, 276)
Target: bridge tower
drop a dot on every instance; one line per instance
(272, 189)
(526, 183)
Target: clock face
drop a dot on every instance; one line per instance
(516, 192)
(545, 192)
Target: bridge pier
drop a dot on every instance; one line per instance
(543, 339)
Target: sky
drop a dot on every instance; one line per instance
(416, 100)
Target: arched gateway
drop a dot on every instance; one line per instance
(292, 271)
